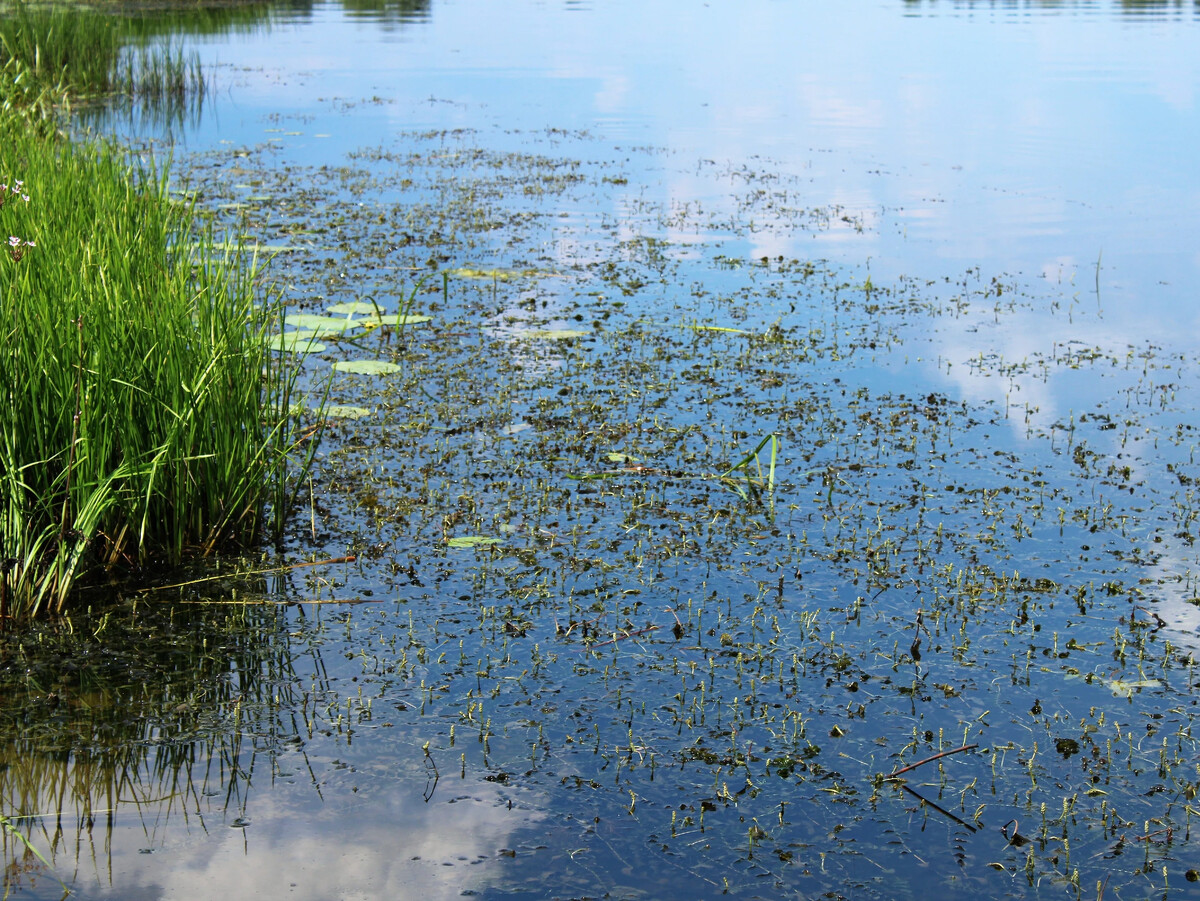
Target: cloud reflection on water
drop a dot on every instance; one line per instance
(382, 843)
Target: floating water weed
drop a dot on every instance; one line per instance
(680, 651)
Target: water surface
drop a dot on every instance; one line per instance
(944, 252)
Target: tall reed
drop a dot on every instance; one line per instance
(89, 54)
(54, 40)
(142, 415)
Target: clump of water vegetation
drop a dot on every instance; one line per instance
(88, 53)
(145, 416)
(710, 556)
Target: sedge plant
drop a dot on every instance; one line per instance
(90, 53)
(143, 416)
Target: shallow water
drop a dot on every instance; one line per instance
(945, 252)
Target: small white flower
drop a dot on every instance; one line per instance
(14, 241)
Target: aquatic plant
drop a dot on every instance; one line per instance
(145, 416)
(751, 484)
(57, 43)
(84, 53)
(929, 627)
(27, 101)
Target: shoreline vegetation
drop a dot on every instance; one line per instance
(146, 418)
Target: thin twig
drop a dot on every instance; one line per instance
(913, 766)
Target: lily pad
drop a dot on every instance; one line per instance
(324, 325)
(557, 334)
(1127, 689)
(366, 367)
(352, 306)
(302, 342)
(472, 541)
(619, 458)
(346, 411)
(502, 275)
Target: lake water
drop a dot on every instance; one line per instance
(1028, 137)
(602, 636)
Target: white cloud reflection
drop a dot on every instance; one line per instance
(368, 845)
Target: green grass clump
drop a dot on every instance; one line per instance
(86, 54)
(28, 101)
(142, 415)
(54, 40)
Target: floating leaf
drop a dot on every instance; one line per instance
(717, 328)
(1126, 689)
(324, 325)
(303, 341)
(366, 367)
(346, 411)
(472, 541)
(498, 274)
(557, 334)
(619, 458)
(353, 306)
